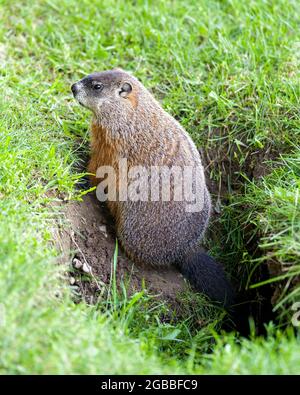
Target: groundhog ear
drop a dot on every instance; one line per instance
(126, 88)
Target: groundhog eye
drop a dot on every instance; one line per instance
(98, 86)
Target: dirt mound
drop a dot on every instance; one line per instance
(89, 234)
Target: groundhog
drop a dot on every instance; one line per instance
(133, 135)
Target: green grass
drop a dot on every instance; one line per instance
(271, 206)
(228, 70)
(276, 354)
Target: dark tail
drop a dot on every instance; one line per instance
(207, 277)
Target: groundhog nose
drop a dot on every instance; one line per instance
(74, 88)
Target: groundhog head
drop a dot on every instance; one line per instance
(108, 93)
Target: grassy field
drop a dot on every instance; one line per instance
(229, 71)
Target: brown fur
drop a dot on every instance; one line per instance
(102, 151)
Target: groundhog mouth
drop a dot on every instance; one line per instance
(79, 100)
(77, 94)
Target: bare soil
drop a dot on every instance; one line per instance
(88, 232)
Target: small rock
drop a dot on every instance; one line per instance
(72, 280)
(86, 268)
(103, 229)
(77, 263)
